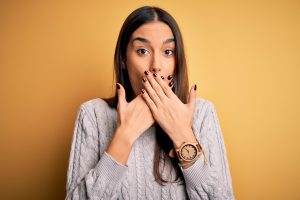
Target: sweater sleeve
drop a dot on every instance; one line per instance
(209, 180)
(90, 176)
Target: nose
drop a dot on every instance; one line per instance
(155, 69)
(156, 64)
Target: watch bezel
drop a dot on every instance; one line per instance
(188, 158)
(196, 146)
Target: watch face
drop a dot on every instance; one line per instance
(188, 152)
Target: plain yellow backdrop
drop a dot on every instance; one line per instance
(243, 55)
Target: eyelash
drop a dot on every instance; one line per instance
(138, 51)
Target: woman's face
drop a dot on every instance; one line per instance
(151, 47)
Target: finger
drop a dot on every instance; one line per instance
(192, 97)
(167, 80)
(167, 88)
(149, 101)
(151, 92)
(121, 96)
(156, 87)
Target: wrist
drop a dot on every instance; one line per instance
(187, 154)
(185, 164)
(120, 146)
(125, 135)
(186, 135)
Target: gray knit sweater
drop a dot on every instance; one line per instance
(94, 174)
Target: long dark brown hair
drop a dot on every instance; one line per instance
(136, 19)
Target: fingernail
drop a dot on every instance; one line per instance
(162, 77)
(143, 91)
(170, 77)
(195, 87)
(155, 74)
(118, 87)
(146, 72)
(144, 80)
(171, 83)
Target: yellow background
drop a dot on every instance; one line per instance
(243, 55)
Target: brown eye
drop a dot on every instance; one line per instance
(142, 51)
(169, 52)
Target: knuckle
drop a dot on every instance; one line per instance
(167, 89)
(151, 103)
(153, 95)
(157, 88)
(157, 98)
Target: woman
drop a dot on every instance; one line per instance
(154, 139)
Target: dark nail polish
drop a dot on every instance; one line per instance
(155, 75)
(146, 72)
(118, 87)
(170, 77)
(162, 77)
(143, 91)
(144, 80)
(195, 87)
(171, 83)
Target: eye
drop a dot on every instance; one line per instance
(142, 51)
(169, 52)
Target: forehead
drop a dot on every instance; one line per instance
(154, 31)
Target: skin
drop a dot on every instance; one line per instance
(151, 51)
(153, 55)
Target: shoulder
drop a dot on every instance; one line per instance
(96, 108)
(205, 119)
(203, 106)
(205, 112)
(94, 104)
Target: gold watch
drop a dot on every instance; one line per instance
(188, 152)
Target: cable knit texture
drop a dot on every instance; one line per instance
(94, 174)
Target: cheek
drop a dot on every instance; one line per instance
(168, 67)
(133, 63)
(135, 71)
(136, 66)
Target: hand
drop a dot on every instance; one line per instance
(134, 117)
(174, 117)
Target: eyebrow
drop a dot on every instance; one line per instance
(144, 40)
